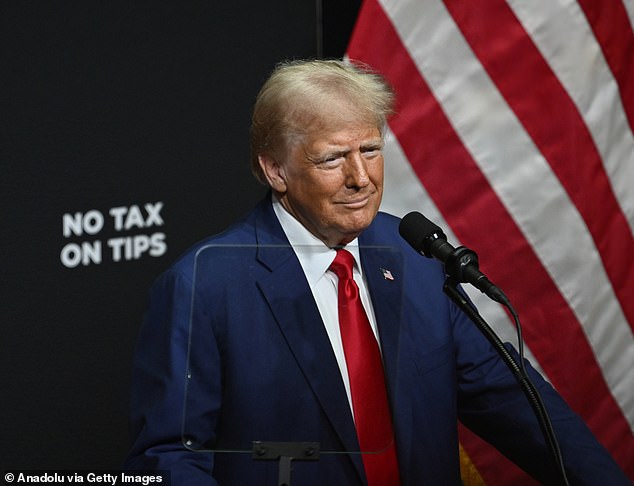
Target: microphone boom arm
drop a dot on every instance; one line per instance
(518, 370)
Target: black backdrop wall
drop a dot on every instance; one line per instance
(124, 139)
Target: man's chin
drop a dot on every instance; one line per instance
(356, 227)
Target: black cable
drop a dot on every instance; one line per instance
(518, 370)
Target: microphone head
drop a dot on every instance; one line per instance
(420, 232)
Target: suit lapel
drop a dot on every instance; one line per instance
(289, 297)
(383, 270)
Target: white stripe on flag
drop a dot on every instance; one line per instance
(629, 6)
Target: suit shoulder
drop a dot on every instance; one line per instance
(384, 229)
(387, 218)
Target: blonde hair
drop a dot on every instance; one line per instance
(298, 94)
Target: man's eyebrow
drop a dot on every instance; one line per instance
(326, 154)
(336, 150)
(376, 143)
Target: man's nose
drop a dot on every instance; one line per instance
(356, 171)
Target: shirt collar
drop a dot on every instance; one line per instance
(313, 254)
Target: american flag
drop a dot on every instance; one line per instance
(514, 134)
(387, 275)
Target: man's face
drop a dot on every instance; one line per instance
(331, 180)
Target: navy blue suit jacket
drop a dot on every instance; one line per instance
(254, 362)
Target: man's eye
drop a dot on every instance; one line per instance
(331, 158)
(371, 152)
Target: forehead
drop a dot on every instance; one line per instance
(341, 136)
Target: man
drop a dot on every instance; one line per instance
(247, 337)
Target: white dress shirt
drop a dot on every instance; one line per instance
(315, 259)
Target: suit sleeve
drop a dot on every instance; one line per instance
(492, 404)
(158, 425)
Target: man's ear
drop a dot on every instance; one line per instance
(273, 172)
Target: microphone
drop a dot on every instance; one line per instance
(460, 263)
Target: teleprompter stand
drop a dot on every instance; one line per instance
(285, 453)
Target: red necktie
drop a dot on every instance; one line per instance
(367, 381)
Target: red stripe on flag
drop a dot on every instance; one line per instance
(438, 157)
(552, 120)
(610, 23)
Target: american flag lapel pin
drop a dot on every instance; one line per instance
(387, 275)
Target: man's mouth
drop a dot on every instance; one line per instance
(357, 202)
